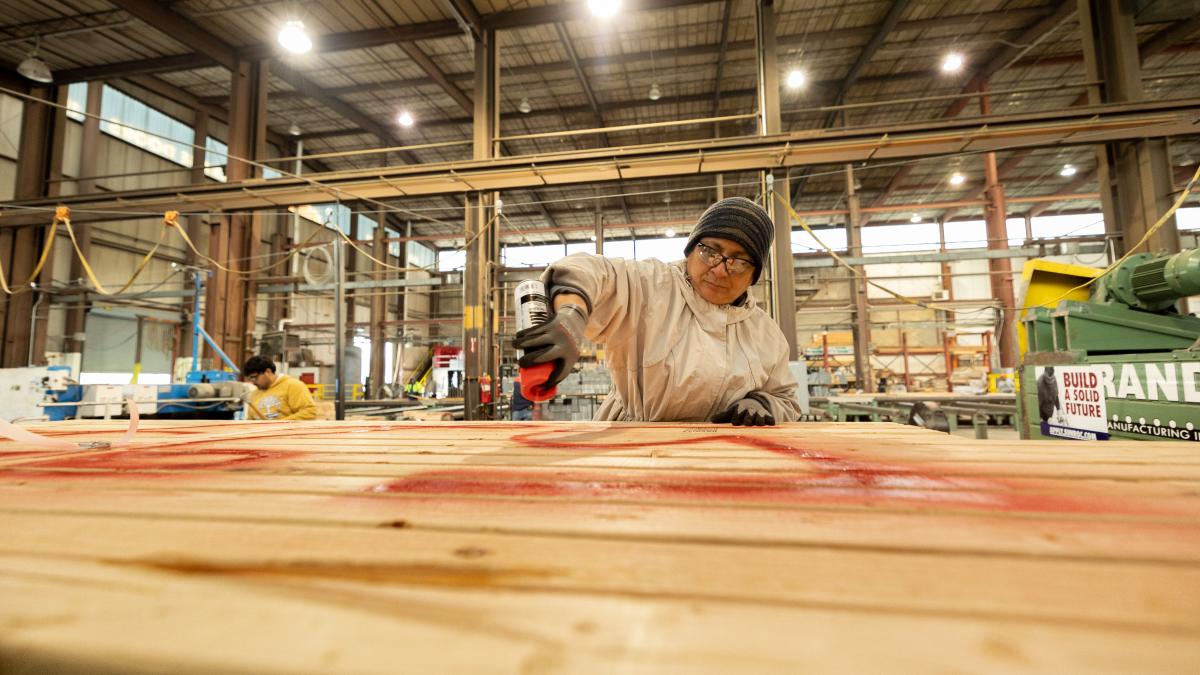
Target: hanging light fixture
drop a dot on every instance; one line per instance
(952, 62)
(293, 38)
(405, 119)
(1067, 171)
(294, 130)
(655, 92)
(916, 218)
(604, 9)
(35, 68)
(524, 106)
(957, 178)
(670, 233)
(796, 78)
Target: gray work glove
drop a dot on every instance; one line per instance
(558, 341)
(752, 411)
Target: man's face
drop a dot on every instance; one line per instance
(262, 380)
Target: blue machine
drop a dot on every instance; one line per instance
(176, 391)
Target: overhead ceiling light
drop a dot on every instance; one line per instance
(655, 92)
(34, 68)
(1067, 170)
(916, 218)
(294, 130)
(593, 237)
(952, 63)
(405, 119)
(670, 233)
(957, 178)
(604, 8)
(796, 78)
(293, 38)
(524, 106)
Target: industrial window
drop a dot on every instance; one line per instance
(803, 242)
(966, 234)
(77, 100)
(214, 159)
(894, 238)
(420, 255)
(129, 119)
(1058, 227)
(366, 227)
(1188, 219)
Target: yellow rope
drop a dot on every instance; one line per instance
(63, 214)
(398, 268)
(1162, 220)
(853, 270)
(1129, 252)
(46, 248)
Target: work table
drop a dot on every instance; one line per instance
(363, 547)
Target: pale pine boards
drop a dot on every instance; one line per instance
(585, 547)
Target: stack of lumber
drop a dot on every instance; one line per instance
(277, 547)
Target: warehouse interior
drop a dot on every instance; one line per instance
(277, 125)
(599, 336)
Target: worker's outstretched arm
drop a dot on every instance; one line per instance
(612, 292)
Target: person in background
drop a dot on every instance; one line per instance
(686, 341)
(522, 408)
(277, 397)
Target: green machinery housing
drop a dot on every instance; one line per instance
(1145, 354)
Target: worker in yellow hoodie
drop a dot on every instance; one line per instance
(278, 397)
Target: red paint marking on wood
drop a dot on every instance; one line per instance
(142, 461)
(833, 480)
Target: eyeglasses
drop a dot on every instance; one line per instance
(712, 257)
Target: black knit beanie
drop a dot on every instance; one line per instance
(737, 219)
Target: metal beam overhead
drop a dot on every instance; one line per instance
(1074, 127)
(890, 20)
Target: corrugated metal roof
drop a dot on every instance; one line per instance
(676, 48)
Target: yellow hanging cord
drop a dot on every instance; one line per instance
(171, 218)
(63, 214)
(1162, 220)
(46, 247)
(399, 268)
(853, 270)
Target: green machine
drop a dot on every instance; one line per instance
(1123, 364)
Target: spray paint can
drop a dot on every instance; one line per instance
(533, 309)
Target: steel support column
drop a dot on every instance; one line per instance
(230, 306)
(54, 182)
(75, 330)
(1135, 176)
(379, 249)
(481, 234)
(770, 122)
(598, 233)
(858, 290)
(1000, 269)
(19, 251)
(351, 263)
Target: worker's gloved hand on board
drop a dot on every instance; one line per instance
(557, 341)
(752, 411)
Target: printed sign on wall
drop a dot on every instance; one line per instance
(1071, 402)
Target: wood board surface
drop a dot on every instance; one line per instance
(274, 547)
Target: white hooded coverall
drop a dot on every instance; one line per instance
(673, 355)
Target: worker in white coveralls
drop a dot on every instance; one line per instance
(686, 342)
